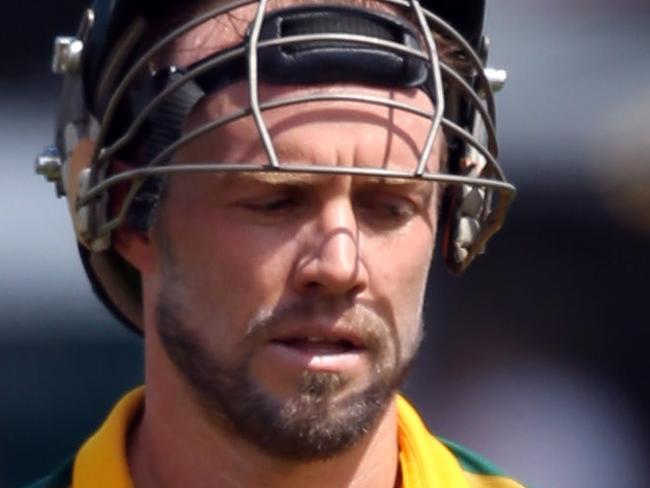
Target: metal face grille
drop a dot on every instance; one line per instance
(463, 109)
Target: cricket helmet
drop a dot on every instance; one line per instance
(117, 103)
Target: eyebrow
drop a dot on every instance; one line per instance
(275, 177)
(423, 188)
(299, 178)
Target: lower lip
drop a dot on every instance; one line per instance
(316, 358)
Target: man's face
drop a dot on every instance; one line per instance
(291, 303)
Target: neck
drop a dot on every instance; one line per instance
(173, 445)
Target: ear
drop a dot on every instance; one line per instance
(133, 245)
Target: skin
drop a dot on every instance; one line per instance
(226, 250)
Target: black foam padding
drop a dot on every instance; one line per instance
(327, 61)
(339, 61)
(166, 120)
(112, 18)
(164, 127)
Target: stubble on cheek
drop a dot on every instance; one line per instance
(317, 422)
(327, 412)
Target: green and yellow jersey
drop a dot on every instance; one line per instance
(425, 460)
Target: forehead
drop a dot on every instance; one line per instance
(339, 133)
(396, 134)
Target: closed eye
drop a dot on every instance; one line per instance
(385, 210)
(271, 206)
(276, 202)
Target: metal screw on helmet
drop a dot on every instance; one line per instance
(67, 55)
(48, 164)
(497, 78)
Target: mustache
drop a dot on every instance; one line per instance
(357, 318)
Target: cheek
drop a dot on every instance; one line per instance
(409, 278)
(402, 279)
(228, 270)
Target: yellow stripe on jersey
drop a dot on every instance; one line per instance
(425, 461)
(102, 461)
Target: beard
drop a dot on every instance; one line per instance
(321, 419)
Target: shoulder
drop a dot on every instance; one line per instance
(61, 478)
(480, 472)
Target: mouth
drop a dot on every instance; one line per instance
(319, 345)
(319, 351)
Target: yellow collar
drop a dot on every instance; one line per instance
(424, 461)
(102, 461)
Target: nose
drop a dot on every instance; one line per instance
(330, 261)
